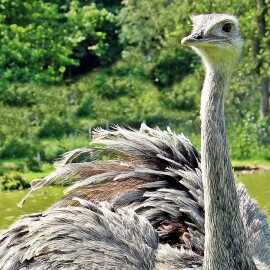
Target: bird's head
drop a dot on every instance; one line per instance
(217, 39)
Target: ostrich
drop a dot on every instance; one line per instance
(202, 219)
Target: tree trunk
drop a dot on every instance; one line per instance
(261, 7)
(264, 88)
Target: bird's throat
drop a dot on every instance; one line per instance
(225, 239)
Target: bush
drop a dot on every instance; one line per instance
(168, 69)
(54, 127)
(184, 96)
(247, 138)
(18, 95)
(34, 163)
(52, 149)
(85, 107)
(12, 180)
(111, 86)
(16, 147)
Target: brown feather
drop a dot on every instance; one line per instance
(171, 232)
(109, 191)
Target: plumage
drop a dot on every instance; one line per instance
(82, 237)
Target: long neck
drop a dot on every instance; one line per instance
(225, 239)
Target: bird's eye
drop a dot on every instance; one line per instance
(227, 27)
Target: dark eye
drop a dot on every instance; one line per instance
(227, 27)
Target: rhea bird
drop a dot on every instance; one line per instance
(202, 219)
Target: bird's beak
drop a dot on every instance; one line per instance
(191, 39)
(199, 40)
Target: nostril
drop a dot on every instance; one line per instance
(198, 36)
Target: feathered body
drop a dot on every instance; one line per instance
(159, 175)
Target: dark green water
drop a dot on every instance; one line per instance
(258, 185)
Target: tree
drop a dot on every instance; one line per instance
(39, 39)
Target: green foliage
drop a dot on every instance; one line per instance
(110, 86)
(84, 107)
(247, 138)
(34, 163)
(172, 65)
(32, 117)
(152, 39)
(151, 25)
(16, 95)
(15, 139)
(110, 90)
(12, 180)
(50, 149)
(54, 126)
(94, 31)
(183, 96)
(15, 147)
(40, 40)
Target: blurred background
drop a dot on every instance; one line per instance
(68, 66)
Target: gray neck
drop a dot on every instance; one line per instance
(225, 239)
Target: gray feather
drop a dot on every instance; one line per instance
(88, 237)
